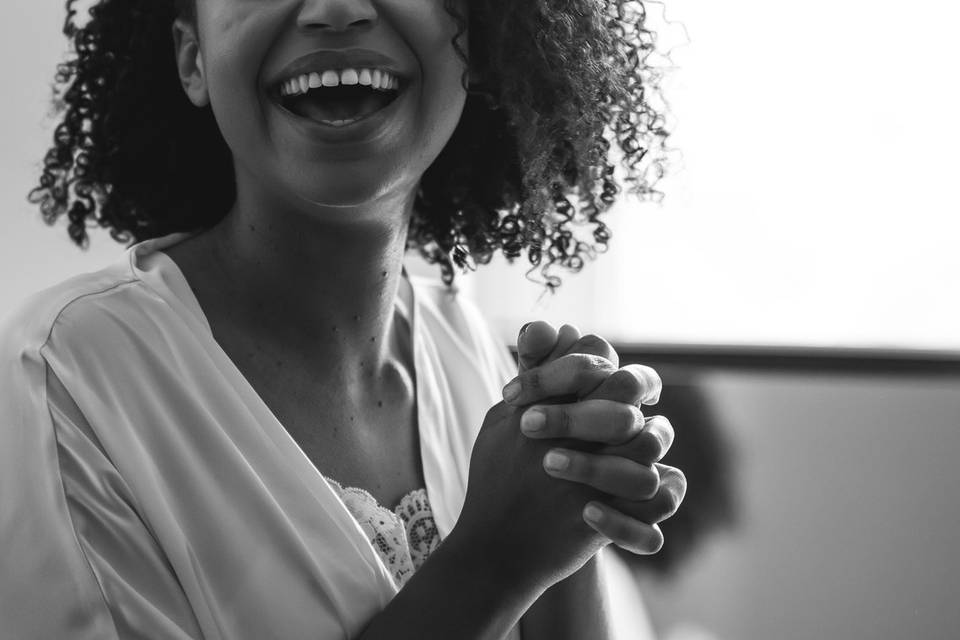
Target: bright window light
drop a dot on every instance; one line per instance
(814, 203)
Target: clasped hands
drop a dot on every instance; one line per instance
(606, 442)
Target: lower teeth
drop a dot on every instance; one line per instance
(339, 123)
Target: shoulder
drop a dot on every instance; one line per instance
(29, 376)
(52, 472)
(88, 342)
(81, 312)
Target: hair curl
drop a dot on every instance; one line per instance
(557, 76)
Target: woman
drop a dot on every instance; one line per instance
(203, 439)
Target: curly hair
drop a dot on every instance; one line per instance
(557, 77)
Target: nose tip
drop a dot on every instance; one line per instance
(336, 27)
(337, 15)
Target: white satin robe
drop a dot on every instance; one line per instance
(146, 491)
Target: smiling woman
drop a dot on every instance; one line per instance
(545, 85)
(205, 438)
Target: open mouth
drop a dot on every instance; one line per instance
(338, 105)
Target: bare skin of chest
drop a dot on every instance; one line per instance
(374, 446)
(365, 436)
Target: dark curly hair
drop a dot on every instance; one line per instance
(557, 78)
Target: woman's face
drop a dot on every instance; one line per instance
(246, 47)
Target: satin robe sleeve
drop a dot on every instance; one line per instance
(77, 560)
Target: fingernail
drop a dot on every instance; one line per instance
(512, 391)
(523, 330)
(592, 513)
(556, 461)
(533, 421)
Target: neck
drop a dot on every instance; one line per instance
(319, 283)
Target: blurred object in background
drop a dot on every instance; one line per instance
(702, 451)
(844, 481)
(688, 631)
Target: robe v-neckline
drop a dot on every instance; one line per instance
(165, 277)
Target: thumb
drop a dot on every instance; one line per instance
(535, 342)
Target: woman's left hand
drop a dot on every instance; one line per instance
(607, 442)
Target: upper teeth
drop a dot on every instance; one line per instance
(374, 78)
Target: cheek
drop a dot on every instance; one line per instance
(425, 26)
(240, 41)
(429, 31)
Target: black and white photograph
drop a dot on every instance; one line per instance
(479, 320)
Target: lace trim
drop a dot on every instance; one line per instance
(404, 537)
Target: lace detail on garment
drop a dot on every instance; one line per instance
(403, 537)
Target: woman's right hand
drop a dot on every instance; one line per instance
(525, 522)
(533, 529)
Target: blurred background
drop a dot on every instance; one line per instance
(795, 287)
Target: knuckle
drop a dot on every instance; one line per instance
(535, 326)
(652, 383)
(531, 380)
(497, 413)
(571, 328)
(588, 367)
(564, 423)
(674, 485)
(680, 485)
(647, 485)
(626, 382)
(671, 506)
(595, 343)
(650, 445)
(592, 343)
(665, 429)
(601, 363)
(634, 421)
(673, 476)
(592, 362)
(624, 423)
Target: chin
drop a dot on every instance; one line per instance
(345, 192)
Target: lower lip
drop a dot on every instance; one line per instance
(361, 129)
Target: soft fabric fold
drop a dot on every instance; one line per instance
(147, 491)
